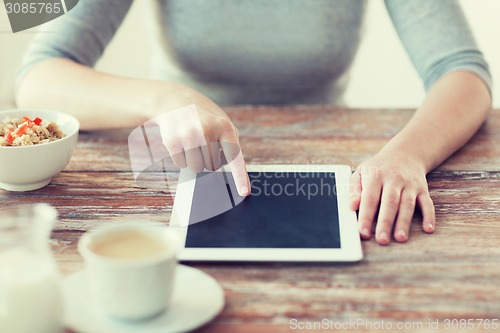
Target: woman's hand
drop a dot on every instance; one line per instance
(393, 184)
(198, 134)
(394, 180)
(193, 138)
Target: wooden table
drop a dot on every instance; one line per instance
(453, 274)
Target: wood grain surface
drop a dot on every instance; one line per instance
(452, 274)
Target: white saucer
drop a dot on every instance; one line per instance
(197, 299)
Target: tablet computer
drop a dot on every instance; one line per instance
(294, 213)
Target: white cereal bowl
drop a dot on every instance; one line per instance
(28, 168)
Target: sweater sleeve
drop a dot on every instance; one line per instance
(81, 35)
(437, 38)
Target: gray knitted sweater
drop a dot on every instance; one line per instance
(265, 51)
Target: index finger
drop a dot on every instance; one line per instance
(240, 175)
(236, 162)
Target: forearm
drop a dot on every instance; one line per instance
(98, 100)
(454, 109)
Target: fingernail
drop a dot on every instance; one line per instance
(365, 233)
(384, 237)
(402, 234)
(431, 226)
(243, 191)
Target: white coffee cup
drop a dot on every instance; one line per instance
(130, 268)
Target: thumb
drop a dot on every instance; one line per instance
(355, 190)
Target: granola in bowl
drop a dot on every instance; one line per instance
(16, 132)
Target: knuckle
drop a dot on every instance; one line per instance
(385, 223)
(209, 135)
(173, 145)
(396, 178)
(192, 132)
(422, 188)
(371, 201)
(369, 171)
(392, 200)
(222, 123)
(229, 137)
(191, 137)
(425, 197)
(365, 222)
(213, 129)
(228, 132)
(404, 222)
(427, 194)
(408, 201)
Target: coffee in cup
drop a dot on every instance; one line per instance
(130, 268)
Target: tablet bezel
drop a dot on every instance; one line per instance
(349, 251)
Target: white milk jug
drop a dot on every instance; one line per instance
(30, 294)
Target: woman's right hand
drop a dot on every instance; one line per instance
(199, 135)
(194, 139)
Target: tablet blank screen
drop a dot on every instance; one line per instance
(285, 210)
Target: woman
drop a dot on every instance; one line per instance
(291, 51)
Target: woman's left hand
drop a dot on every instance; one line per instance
(393, 184)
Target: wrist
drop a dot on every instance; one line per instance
(168, 96)
(406, 155)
